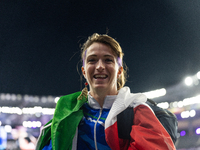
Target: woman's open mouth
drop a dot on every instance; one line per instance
(100, 76)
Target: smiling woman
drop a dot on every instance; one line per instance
(113, 46)
(101, 71)
(88, 119)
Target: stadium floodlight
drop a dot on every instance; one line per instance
(185, 114)
(192, 113)
(32, 124)
(164, 105)
(188, 81)
(198, 75)
(198, 131)
(155, 93)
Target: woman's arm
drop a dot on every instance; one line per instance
(147, 131)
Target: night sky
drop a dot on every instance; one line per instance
(40, 42)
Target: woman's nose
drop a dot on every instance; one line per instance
(100, 66)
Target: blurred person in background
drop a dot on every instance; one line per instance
(27, 144)
(23, 140)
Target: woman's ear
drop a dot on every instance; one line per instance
(120, 71)
(83, 71)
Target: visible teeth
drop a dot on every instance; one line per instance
(100, 76)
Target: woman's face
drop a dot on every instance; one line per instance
(101, 69)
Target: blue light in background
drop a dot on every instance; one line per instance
(182, 133)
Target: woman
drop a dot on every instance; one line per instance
(88, 120)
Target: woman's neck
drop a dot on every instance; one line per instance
(100, 95)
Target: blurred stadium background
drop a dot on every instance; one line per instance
(39, 46)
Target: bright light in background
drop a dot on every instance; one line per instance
(5, 109)
(28, 110)
(180, 104)
(198, 75)
(192, 113)
(175, 104)
(155, 93)
(8, 96)
(198, 131)
(36, 99)
(56, 99)
(163, 105)
(188, 81)
(3, 96)
(32, 124)
(8, 128)
(192, 100)
(187, 114)
(48, 111)
(182, 133)
(43, 99)
(19, 97)
(26, 97)
(37, 109)
(11, 110)
(13, 97)
(186, 102)
(50, 98)
(0, 123)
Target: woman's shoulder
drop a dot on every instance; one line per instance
(71, 96)
(69, 101)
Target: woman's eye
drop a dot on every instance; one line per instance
(91, 60)
(109, 60)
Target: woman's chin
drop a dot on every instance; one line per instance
(100, 87)
(103, 87)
